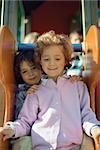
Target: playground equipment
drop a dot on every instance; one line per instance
(7, 82)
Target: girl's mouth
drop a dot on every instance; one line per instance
(33, 78)
(52, 68)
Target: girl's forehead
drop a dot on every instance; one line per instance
(53, 49)
(26, 62)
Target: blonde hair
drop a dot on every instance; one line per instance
(51, 38)
(31, 37)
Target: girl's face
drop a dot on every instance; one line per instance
(75, 39)
(29, 73)
(53, 61)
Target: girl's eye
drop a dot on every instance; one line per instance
(46, 59)
(23, 72)
(33, 68)
(57, 59)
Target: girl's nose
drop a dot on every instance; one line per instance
(30, 73)
(52, 62)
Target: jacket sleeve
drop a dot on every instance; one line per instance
(27, 116)
(20, 98)
(87, 115)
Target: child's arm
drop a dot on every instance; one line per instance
(75, 78)
(7, 131)
(27, 116)
(32, 89)
(89, 122)
(95, 132)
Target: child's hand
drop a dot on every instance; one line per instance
(96, 136)
(7, 132)
(32, 89)
(75, 78)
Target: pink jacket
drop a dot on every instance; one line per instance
(56, 114)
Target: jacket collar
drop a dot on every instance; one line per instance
(45, 81)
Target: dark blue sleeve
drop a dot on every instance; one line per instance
(20, 98)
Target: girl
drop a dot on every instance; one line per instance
(27, 74)
(59, 111)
